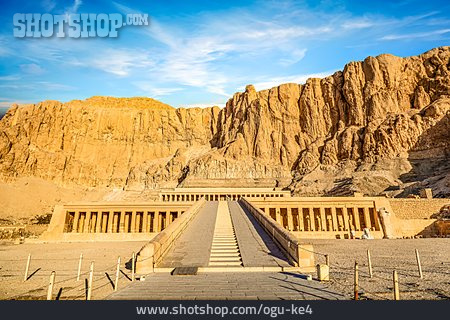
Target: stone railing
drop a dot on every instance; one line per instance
(299, 255)
(152, 253)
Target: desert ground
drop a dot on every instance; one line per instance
(387, 255)
(63, 258)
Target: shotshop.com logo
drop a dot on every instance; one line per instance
(84, 25)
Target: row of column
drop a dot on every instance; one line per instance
(119, 221)
(325, 218)
(174, 197)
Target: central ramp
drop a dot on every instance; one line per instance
(192, 248)
(224, 249)
(256, 247)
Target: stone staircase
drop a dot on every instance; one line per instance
(224, 249)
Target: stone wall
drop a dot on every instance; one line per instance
(417, 208)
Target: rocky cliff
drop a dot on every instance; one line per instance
(380, 125)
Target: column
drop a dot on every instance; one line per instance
(301, 227)
(110, 221)
(334, 219)
(104, 222)
(133, 221)
(156, 221)
(278, 216)
(356, 216)
(122, 222)
(345, 218)
(329, 224)
(87, 222)
(376, 218)
(367, 218)
(115, 221)
(168, 218)
(93, 224)
(290, 219)
(82, 222)
(76, 219)
(323, 220)
(137, 221)
(312, 220)
(98, 226)
(160, 220)
(144, 221)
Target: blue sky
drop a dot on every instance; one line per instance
(198, 53)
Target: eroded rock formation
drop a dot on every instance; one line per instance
(382, 124)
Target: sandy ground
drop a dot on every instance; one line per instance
(63, 258)
(387, 255)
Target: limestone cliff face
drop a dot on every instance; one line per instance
(380, 123)
(98, 141)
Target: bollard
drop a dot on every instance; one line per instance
(116, 284)
(327, 260)
(133, 266)
(419, 266)
(79, 267)
(91, 275)
(50, 286)
(369, 261)
(27, 267)
(396, 290)
(356, 282)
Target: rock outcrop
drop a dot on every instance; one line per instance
(380, 125)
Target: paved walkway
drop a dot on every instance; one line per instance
(193, 247)
(256, 246)
(227, 286)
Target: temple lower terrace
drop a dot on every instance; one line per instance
(211, 231)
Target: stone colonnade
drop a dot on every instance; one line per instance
(217, 196)
(323, 217)
(119, 220)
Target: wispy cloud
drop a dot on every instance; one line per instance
(32, 69)
(48, 5)
(38, 86)
(74, 8)
(154, 91)
(408, 36)
(119, 62)
(295, 57)
(11, 77)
